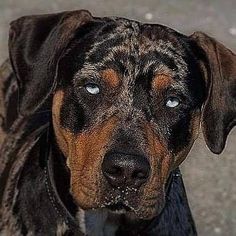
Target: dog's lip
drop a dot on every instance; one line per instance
(119, 207)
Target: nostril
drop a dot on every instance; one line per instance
(114, 171)
(114, 175)
(139, 174)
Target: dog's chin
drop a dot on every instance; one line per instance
(137, 209)
(128, 211)
(119, 208)
(133, 205)
(135, 214)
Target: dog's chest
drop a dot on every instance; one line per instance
(98, 223)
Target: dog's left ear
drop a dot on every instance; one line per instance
(36, 45)
(219, 111)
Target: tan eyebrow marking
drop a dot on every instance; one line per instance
(111, 77)
(161, 81)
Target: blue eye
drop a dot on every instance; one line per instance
(92, 88)
(172, 102)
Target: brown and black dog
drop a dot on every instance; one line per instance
(105, 110)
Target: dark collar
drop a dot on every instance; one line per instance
(54, 197)
(53, 194)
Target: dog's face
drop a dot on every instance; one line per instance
(126, 110)
(126, 114)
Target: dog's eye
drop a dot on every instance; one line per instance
(172, 102)
(92, 88)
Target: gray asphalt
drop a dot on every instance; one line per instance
(210, 179)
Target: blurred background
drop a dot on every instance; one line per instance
(210, 179)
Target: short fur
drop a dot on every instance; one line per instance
(57, 135)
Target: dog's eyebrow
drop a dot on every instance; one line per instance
(111, 77)
(161, 81)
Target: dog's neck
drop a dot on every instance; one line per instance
(98, 222)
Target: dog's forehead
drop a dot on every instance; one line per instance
(132, 49)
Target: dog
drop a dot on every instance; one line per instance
(98, 114)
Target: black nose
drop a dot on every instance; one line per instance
(125, 170)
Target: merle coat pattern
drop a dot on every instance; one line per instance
(98, 115)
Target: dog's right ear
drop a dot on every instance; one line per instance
(36, 45)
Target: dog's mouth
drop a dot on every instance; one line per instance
(122, 201)
(118, 208)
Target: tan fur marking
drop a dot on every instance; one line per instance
(161, 81)
(63, 137)
(158, 152)
(111, 77)
(86, 157)
(160, 161)
(84, 153)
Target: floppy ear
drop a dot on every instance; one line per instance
(219, 112)
(36, 45)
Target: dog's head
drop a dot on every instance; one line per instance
(126, 98)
